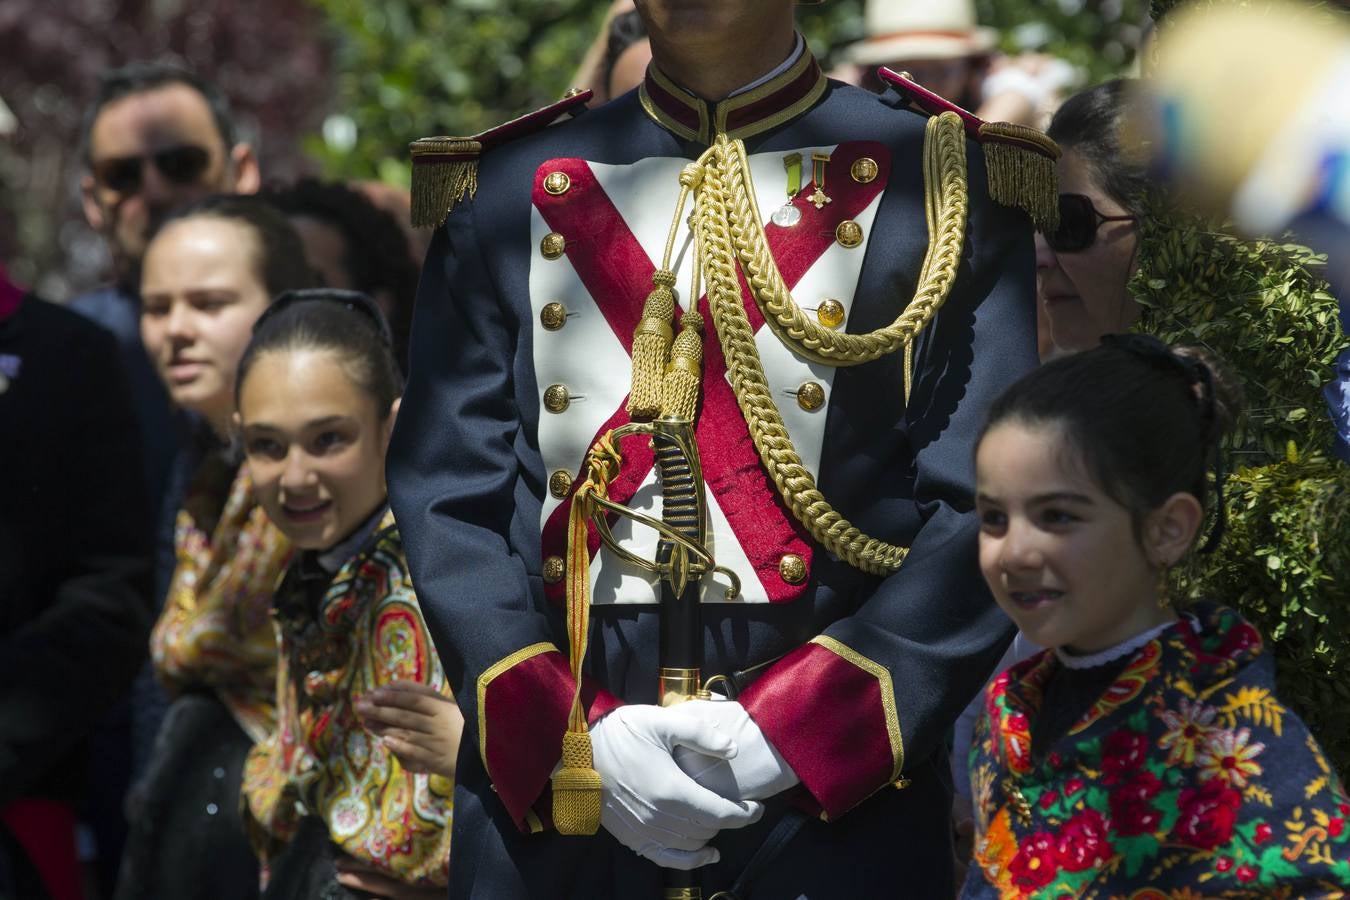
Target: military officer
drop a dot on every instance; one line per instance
(856, 272)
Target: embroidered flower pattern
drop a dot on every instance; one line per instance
(1230, 756)
(1165, 790)
(367, 632)
(1188, 728)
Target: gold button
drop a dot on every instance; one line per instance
(863, 170)
(553, 570)
(557, 182)
(792, 568)
(830, 313)
(810, 396)
(553, 316)
(573, 91)
(848, 234)
(559, 483)
(556, 398)
(553, 244)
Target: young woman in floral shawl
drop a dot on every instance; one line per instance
(209, 272)
(333, 800)
(1145, 754)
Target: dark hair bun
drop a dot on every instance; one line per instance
(1225, 391)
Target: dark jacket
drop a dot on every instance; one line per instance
(859, 677)
(75, 555)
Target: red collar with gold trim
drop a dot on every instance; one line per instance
(781, 98)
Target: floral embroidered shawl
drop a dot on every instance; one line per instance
(216, 628)
(1186, 779)
(368, 631)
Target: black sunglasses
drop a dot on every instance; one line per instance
(1078, 224)
(182, 165)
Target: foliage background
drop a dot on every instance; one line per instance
(339, 87)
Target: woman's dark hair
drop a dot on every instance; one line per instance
(1142, 417)
(346, 323)
(378, 255)
(280, 261)
(1089, 124)
(625, 30)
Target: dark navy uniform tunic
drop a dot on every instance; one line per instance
(520, 359)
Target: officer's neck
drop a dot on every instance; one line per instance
(724, 61)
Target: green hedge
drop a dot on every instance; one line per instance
(1264, 308)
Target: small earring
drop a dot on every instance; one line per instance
(1164, 593)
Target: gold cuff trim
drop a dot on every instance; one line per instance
(491, 673)
(883, 677)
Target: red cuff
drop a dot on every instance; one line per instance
(523, 702)
(831, 712)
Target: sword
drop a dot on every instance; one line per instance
(681, 623)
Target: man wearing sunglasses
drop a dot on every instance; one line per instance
(155, 138)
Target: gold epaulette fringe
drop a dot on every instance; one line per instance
(1021, 167)
(444, 169)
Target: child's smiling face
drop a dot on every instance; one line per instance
(315, 445)
(1063, 559)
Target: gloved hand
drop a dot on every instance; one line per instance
(647, 803)
(756, 772)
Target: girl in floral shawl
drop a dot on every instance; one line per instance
(1145, 754)
(339, 806)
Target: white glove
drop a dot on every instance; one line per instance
(757, 771)
(647, 803)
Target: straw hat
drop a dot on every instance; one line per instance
(920, 29)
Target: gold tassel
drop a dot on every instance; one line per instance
(576, 787)
(444, 170)
(680, 387)
(651, 346)
(1021, 166)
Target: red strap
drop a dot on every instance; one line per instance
(929, 102)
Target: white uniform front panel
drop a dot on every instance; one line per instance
(587, 357)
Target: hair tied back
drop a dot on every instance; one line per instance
(354, 301)
(1200, 378)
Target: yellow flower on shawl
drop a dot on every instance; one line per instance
(1229, 755)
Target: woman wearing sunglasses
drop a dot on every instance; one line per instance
(1083, 267)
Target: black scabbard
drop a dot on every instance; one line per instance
(681, 632)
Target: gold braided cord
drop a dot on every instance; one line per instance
(794, 482)
(947, 200)
(729, 231)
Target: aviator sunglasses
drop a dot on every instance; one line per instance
(1078, 224)
(181, 165)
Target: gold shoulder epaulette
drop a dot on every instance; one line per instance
(444, 169)
(1020, 161)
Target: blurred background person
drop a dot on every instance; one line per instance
(75, 561)
(156, 137)
(356, 246)
(209, 272)
(617, 60)
(1083, 268)
(941, 44)
(1288, 166)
